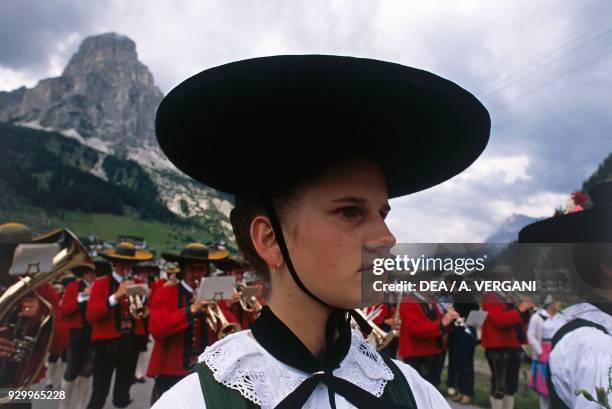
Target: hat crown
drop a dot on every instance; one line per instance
(15, 233)
(125, 248)
(195, 249)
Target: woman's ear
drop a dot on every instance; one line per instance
(264, 241)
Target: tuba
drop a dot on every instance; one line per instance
(31, 336)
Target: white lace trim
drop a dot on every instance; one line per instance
(240, 363)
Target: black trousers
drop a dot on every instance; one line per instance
(80, 354)
(428, 366)
(505, 364)
(117, 355)
(162, 384)
(461, 361)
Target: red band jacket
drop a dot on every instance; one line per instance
(180, 337)
(504, 325)
(421, 331)
(109, 321)
(72, 310)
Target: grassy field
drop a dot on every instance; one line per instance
(525, 398)
(159, 236)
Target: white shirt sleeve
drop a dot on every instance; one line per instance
(581, 360)
(186, 394)
(534, 334)
(112, 300)
(425, 394)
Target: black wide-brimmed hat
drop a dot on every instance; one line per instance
(274, 115)
(127, 252)
(196, 253)
(593, 225)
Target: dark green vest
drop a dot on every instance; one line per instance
(218, 396)
(555, 400)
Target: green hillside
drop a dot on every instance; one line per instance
(46, 183)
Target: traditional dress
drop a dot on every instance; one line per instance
(503, 334)
(423, 337)
(180, 337)
(113, 330)
(582, 355)
(540, 345)
(261, 377)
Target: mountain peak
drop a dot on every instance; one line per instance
(104, 93)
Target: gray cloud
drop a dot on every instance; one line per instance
(554, 112)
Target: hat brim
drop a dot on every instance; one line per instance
(139, 255)
(275, 114)
(213, 256)
(588, 226)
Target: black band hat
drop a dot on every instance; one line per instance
(592, 225)
(421, 129)
(290, 111)
(592, 228)
(196, 253)
(127, 252)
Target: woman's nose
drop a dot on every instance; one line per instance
(382, 237)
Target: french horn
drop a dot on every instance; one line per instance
(31, 336)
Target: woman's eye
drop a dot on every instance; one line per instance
(349, 212)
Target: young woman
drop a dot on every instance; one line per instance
(319, 144)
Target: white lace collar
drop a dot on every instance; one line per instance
(239, 362)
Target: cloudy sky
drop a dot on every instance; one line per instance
(543, 68)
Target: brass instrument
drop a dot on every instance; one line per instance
(31, 336)
(136, 294)
(378, 338)
(248, 299)
(216, 321)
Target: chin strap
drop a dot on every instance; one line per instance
(334, 320)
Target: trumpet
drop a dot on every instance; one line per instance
(378, 338)
(31, 337)
(248, 299)
(136, 294)
(216, 321)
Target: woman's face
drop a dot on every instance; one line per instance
(335, 217)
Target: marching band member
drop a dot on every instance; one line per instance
(114, 328)
(539, 336)
(177, 320)
(73, 306)
(423, 335)
(320, 144)
(580, 358)
(503, 334)
(31, 309)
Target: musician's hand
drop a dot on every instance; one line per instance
(525, 305)
(121, 290)
(169, 283)
(450, 316)
(235, 297)
(29, 308)
(197, 306)
(389, 321)
(87, 290)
